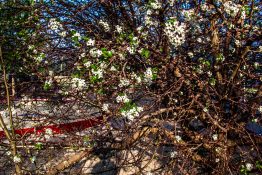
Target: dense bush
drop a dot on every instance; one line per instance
(178, 74)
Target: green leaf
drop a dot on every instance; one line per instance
(39, 146)
(259, 165)
(47, 86)
(101, 91)
(85, 38)
(212, 81)
(94, 79)
(145, 53)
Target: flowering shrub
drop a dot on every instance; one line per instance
(187, 71)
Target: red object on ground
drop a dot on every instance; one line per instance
(59, 128)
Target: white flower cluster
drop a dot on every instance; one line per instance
(131, 50)
(97, 72)
(155, 5)
(90, 42)
(87, 64)
(148, 20)
(173, 154)
(94, 52)
(215, 137)
(105, 25)
(54, 24)
(231, 8)
(17, 159)
(105, 107)
(119, 29)
(78, 83)
(132, 113)
(175, 32)
(260, 109)
(204, 7)
(8, 153)
(136, 77)
(62, 34)
(121, 56)
(148, 75)
(124, 82)
(82, 55)
(243, 14)
(188, 14)
(178, 138)
(122, 98)
(249, 166)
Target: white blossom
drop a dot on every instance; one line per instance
(90, 42)
(82, 55)
(62, 34)
(54, 24)
(94, 52)
(178, 138)
(249, 166)
(8, 153)
(215, 137)
(148, 75)
(188, 14)
(149, 12)
(87, 64)
(122, 98)
(124, 82)
(113, 68)
(30, 47)
(173, 154)
(260, 109)
(238, 43)
(190, 54)
(105, 25)
(121, 56)
(39, 58)
(131, 50)
(130, 114)
(98, 72)
(231, 8)
(155, 5)
(175, 32)
(119, 29)
(78, 83)
(105, 107)
(136, 77)
(17, 159)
